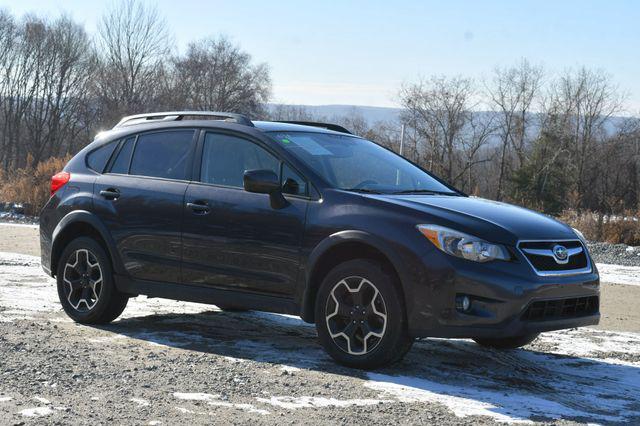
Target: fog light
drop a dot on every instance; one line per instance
(463, 303)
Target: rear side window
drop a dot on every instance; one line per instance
(97, 159)
(121, 163)
(163, 154)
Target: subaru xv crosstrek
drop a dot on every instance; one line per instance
(305, 219)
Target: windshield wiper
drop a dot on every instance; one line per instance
(363, 190)
(424, 191)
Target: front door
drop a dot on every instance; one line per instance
(233, 239)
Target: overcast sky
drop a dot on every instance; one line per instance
(359, 52)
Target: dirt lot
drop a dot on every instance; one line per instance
(168, 362)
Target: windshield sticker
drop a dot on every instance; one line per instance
(311, 146)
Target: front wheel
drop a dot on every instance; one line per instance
(507, 342)
(360, 316)
(86, 287)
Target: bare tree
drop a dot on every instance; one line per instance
(217, 75)
(512, 93)
(580, 104)
(134, 43)
(9, 62)
(63, 64)
(446, 135)
(43, 83)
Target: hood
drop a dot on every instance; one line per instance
(490, 220)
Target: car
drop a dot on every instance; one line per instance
(307, 219)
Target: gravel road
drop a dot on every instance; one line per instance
(167, 362)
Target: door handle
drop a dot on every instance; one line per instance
(199, 207)
(110, 194)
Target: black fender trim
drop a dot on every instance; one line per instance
(83, 216)
(333, 240)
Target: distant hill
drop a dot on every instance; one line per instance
(374, 114)
(370, 113)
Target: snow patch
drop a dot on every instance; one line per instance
(567, 374)
(213, 400)
(289, 369)
(197, 396)
(293, 403)
(36, 412)
(467, 401)
(41, 400)
(250, 408)
(5, 398)
(618, 274)
(140, 401)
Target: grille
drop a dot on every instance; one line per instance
(546, 310)
(548, 263)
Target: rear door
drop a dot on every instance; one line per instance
(140, 199)
(233, 239)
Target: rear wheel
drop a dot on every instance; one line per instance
(360, 316)
(507, 342)
(86, 287)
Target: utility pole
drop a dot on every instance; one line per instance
(401, 149)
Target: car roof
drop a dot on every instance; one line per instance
(258, 126)
(276, 126)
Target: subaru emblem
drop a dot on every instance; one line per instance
(560, 253)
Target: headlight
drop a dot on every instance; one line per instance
(463, 245)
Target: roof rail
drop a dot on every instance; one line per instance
(180, 115)
(328, 126)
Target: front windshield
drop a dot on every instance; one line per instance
(355, 164)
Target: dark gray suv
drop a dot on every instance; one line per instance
(305, 219)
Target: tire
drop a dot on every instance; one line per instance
(95, 299)
(507, 342)
(369, 296)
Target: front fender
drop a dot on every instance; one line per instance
(333, 240)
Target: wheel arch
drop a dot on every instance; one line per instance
(77, 224)
(341, 247)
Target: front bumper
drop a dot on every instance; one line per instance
(500, 293)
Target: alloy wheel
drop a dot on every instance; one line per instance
(356, 315)
(83, 280)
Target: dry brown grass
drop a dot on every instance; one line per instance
(622, 228)
(30, 186)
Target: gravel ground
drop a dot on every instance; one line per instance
(15, 218)
(166, 362)
(617, 254)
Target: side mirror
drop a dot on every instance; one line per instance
(265, 182)
(261, 181)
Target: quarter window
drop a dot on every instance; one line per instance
(97, 159)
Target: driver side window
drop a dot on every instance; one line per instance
(225, 158)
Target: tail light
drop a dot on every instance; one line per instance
(59, 180)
